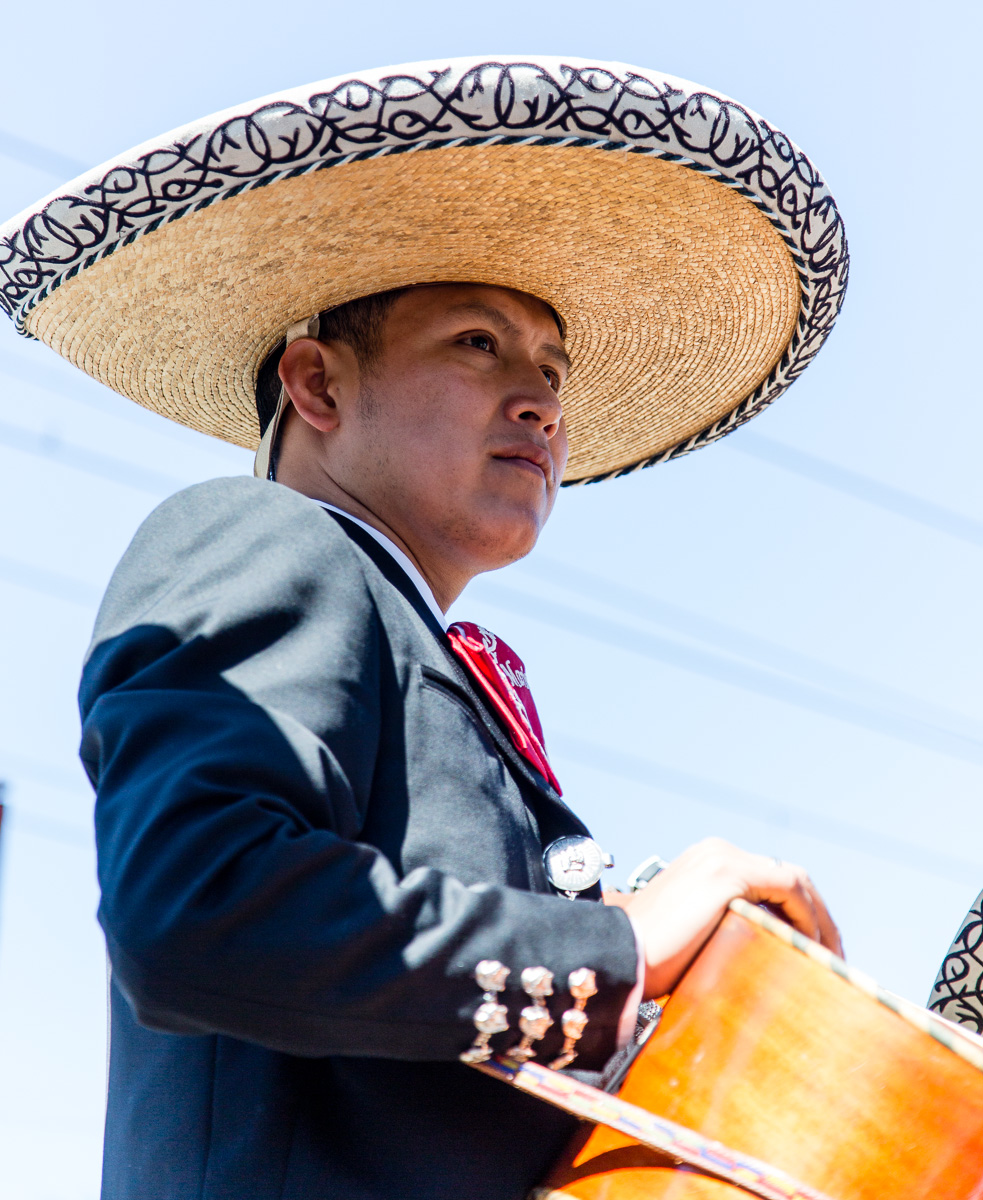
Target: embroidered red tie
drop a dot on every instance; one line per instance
(501, 675)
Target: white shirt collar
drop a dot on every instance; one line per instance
(391, 548)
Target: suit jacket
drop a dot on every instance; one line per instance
(310, 829)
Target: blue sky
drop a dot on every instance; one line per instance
(775, 639)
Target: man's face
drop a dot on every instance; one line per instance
(458, 435)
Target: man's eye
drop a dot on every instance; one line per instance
(480, 341)
(552, 378)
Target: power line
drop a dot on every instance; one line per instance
(49, 828)
(732, 641)
(631, 767)
(799, 462)
(91, 462)
(930, 729)
(929, 733)
(847, 482)
(841, 479)
(859, 487)
(44, 827)
(648, 773)
(69, 383)
(49, 583)
(30, 154)
(49, 774)
(749, 677)
(839, 833)
(639, 770)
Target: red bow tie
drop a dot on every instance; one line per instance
(501, 675)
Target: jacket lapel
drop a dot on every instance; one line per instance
(395, 575)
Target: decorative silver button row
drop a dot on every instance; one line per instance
(574, 864)
(534, 1020)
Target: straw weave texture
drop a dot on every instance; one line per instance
(679, 294)
(694, 250)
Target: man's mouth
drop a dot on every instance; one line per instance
(528, 457)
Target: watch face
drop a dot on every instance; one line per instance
(573, 864)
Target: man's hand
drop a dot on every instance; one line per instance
(676, 913)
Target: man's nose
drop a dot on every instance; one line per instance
(536, 403)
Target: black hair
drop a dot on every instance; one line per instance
(358, 324)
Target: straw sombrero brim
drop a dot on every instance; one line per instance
(694, 253)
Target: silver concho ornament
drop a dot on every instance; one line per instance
(574, 864)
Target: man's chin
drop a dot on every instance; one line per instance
(506, 535)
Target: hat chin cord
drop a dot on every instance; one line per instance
(264, 465)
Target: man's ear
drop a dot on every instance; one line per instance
(320, 378)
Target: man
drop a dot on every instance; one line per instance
(318, 809)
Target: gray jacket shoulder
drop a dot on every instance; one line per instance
(257, 543)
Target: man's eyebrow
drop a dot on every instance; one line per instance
(558, 352)
(491, 314)
(495, 316)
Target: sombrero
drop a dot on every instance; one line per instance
(693, 252)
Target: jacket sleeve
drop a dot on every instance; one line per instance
(231, 714)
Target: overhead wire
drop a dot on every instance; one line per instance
(765, 680)
(854, 484)
(846, 835)
(773, 675)
(630, 767)
(927, 730)
(637, 605)
(23, 821)
(67, 383)
(747, 676)
(38, 157)
(779, 454)
(857, 486)
(20, 819)
(650, 772)
(49, 583)
(90, 462)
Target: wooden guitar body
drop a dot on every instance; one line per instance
(777, 1055)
